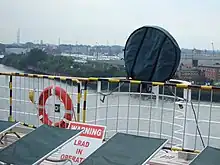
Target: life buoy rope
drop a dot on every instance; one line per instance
(65, 98)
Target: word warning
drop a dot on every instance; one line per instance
(85, 144)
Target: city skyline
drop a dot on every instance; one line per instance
(78, 43)
(192, 24)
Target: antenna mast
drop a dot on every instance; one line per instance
(18, 36)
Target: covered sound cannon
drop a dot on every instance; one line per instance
(151, 54)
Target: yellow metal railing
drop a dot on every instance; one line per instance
(189, 125)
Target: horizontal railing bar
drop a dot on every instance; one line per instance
(142, 119)
(112, 80)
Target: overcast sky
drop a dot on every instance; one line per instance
(194, 23)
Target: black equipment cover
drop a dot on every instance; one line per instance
(151, 54)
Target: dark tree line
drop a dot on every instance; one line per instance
(42, 62)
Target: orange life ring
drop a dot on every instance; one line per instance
(64, 97)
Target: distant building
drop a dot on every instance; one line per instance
(212, 72)
(188, 73)
(2, 48)
(15, 50)
(29, 45)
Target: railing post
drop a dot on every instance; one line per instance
(10, 99)
(187, 94)
(78, 101)
(84, 102)
(155, 90)
(99, 88)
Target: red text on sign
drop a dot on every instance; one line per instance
(88, 130)
(81, 143)
(71, 157)
(79, 151)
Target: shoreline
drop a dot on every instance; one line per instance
(205, 95)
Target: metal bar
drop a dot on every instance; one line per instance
(9, 128)
(118, 108)
(54, 102)
(181, 149)
(139, 111)
(72, 97)
(29, 117)
(84, 101)
(66, 124)
(10, 118)
(28, 125)
(106, 110)
(129, 101)
(38, 92)
(20, 95)
(210, 118)
(184, 86)
(161, 117)
(185, 121)
(150, 115)
(60, 84)
(173, 118)
(15, 96)
(197, 115)
(96, 102)
(24, 103)
(78, 101)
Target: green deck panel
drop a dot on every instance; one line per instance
(125, 149)
(209, 156)
(6, 125)
(35, 145)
